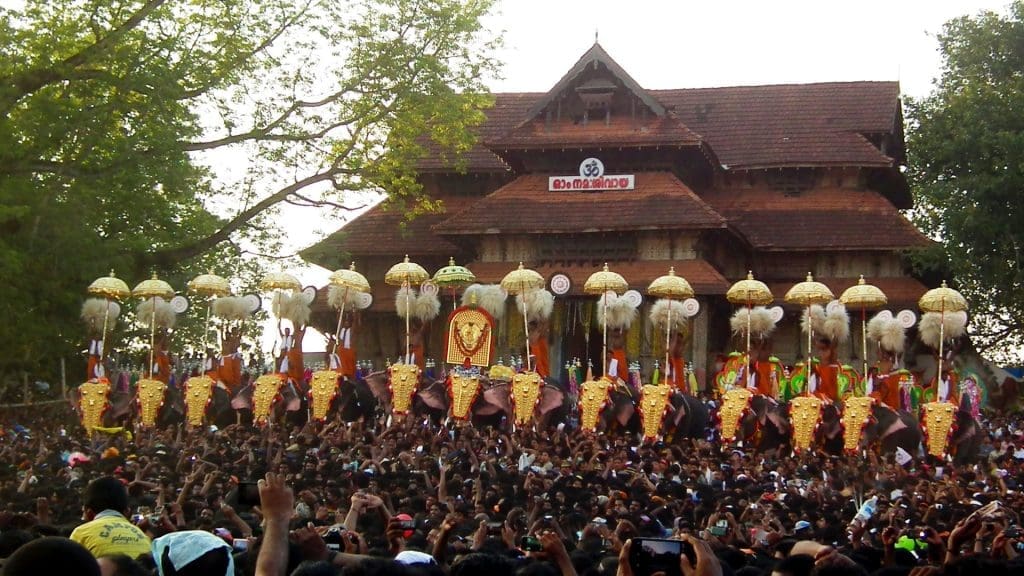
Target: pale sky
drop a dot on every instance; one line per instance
(683, 44)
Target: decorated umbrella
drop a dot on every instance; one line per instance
(152, 289)
(348, 279)
(109, 288)
(808, 293)
(864, 296)
(602, 282)
(408, 274)
(454, 277)
(210, 286)
(520, 281)
(751, 293)
(674, 288)
(942, 299)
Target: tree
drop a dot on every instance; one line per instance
(966, 164)
(150, 134)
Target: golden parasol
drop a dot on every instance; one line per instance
(602, 282)
(153, 288)
(674, 288)
(210, 286)
(109, 288)
(520, 281)
(409, 274)
(454, 277)
(808, 293)
(751, 293)
(942, 299)
(279, 281)
(863, 295)
(348, 279)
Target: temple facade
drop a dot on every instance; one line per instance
(780, 180)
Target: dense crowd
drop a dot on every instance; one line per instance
(413, 498)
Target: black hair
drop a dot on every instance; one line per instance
(797, 565)
(125, 566)
(105, 493)
(52, 556)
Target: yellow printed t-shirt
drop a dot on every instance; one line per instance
(111, 533)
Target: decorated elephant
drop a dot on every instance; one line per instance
(864, 423)
(762, 423)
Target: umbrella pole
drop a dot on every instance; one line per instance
(604, 342)
(942, 340)
(341, 314)
(103, 335)
(152, 337)
(864, 338)
(526, 331)
(455, 300)
(668, 337)
(408, 314)
(748, 329)
(810, 340)
(206, 334)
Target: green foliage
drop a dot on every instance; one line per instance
(161, 134)
(966, 146)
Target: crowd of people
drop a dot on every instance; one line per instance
(414, 498)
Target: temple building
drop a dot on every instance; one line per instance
(781, 180)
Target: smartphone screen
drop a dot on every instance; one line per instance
(530, 544)
(648, 556)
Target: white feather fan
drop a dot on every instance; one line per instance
(659, 316)
(405, 298)
(231, 308)
(165, 316)
(762, 324)
(954, 326)
(426, 306)
(93, 311)
(621, 313)
(335, 295)
(539, 304)
(834, 324)
(292, 307)
(887, 331)
(490, 297)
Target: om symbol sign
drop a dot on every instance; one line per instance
(591, 168)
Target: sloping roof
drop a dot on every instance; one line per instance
(702, 276)
(818, 219)
(619, 131)
(525, 206)
(791, 124)
(596, 54)
(747, 127)
(381, 232)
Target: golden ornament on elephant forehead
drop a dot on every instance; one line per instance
(263, 395)
(402, 380)
(526, 387)
(804, 415)
(323, 387)
(198, 392)
(653, 402)
(939, 418)
(856, 415)
(594, 396)
(470, 336)
(734, 403)
(150, 397)
(92, 402)
(463, 391)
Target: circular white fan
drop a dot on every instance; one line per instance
(113, 310)
(364, 300)
(634, 298)
(309, 294)
(833, 306)
(254, 302)
(887, 315)
(777, 313)
(560, 284)
(906, 318)
(428, 288)
(179, 304)
(691, 307)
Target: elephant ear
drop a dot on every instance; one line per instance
(551, 399)
(378, 383)
(434, 397)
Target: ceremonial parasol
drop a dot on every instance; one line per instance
(674, 288)
(864, 296)
(109, 288)
(602, 282)
(277, 281)
(409, 274)
(210, 286)
(454, 277)
(348, 279)
(751, 293)
(808, 293)
(520, 281)
(153, 288)
(942, 299)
